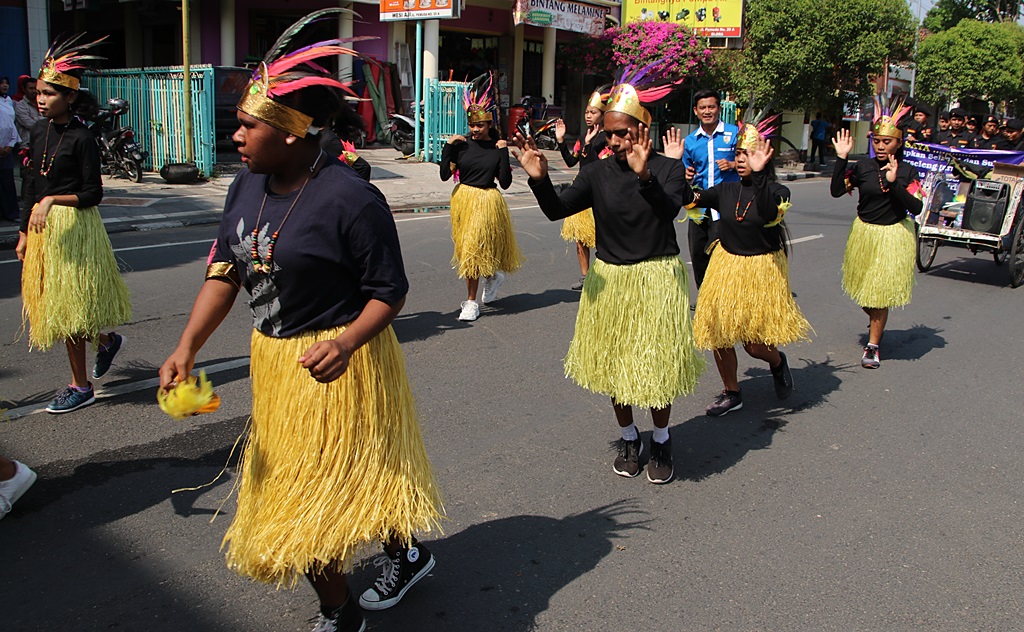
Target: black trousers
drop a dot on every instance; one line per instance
(818, 145)
(8, 196)
(699, 235)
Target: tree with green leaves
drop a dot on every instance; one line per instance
(972, 59)
(820, 54)
(946, 14)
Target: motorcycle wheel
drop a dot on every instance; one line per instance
(403, 144)
(546, 142)
(131, 168)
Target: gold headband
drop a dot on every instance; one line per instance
(477, 114)
(624, 99)
(258, 104)
(885, 127)
(50, 75)
(749, 137)
(597, 101)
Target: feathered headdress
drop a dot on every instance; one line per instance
(888, 115)
(284, 71)
(759, 126)
(478, 100)
(599, 98)
(637, 87)
(65, 57)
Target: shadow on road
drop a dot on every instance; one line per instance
(499, 575)
(980, 268)
(908, 344)
(520, 303)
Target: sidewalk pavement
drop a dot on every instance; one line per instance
(407, 184)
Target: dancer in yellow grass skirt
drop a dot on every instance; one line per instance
(633, 340)
(878, 266)
(579, 228)
(70, 284)
(745, 298)
(485, 244)
(334, 460)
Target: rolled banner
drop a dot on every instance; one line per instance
(189, 397)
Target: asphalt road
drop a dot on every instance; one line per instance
(872, 500)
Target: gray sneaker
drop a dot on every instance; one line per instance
(627, 462)
(870, 359)
(659, 468)
(727, 401)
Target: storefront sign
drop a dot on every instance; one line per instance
(393, 10)
(710, 18)
(561, 14)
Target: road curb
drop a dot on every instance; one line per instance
(9, 240)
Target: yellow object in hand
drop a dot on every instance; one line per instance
(189, 397)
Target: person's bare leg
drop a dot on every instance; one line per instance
(623, 414)
(472, 285)
(7, 469)
(660, 416)
(331, 588)
(878, 317)
(583, 254)
(727, 363)
(76, 356)
(767, 353)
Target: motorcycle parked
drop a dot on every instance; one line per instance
(119, 151)
(403, 134)
(541, 128)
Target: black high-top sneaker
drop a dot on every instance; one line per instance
(400, 571)
(347, 618)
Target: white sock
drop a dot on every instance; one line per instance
(660, 435)
(630, 433)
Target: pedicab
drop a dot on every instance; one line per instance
(981, 215)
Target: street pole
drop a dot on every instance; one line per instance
(418, 92)
(187, 79)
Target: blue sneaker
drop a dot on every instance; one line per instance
(105, 356)
(71, 399)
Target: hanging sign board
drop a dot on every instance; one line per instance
(564, 15)
(395, 10)
(710, 18)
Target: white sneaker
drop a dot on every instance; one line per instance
(491, 285)
(12, 489)
(470, 311)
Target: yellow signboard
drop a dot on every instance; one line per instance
(710, 18)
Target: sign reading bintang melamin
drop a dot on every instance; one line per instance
(565, 15)
(710, 18)
(393, 10)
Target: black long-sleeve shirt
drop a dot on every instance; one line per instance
(72, 162)
(875, 205)
(479, 162)
(634, 220)
(756, 201)
(587, 153)
(330, 143)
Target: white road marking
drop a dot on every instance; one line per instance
(131, 387)
(800, 240)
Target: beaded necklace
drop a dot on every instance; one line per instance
(881, 182)
(265, 266)
(741, 216)
(44, 169)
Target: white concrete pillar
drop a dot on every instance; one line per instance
(38, 22)
(518, 44)
(345, 26)
(227, 32)
(431, 44)
(547, 75)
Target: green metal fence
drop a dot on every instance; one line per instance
(443, 116)
(157, 101)
(729, 112)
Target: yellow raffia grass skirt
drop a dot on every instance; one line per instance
(633, 339)
(747, 300)
(878, 267)
(70, 284)
(482, 231)
(580, 228)
(329, 470)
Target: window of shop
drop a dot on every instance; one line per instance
(463, 56)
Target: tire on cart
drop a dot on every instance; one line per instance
(926, 249)
(1000, 257)
(1017, 255)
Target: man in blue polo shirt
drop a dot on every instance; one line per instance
(709, 155)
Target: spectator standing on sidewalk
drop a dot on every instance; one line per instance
(70, 284)
(709, 155)
(819, 135)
